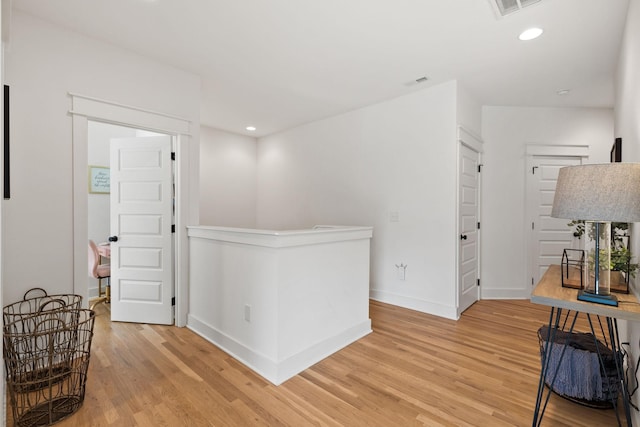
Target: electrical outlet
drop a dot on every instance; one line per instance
(247, 312)
(402, 271)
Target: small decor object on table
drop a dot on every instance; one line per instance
(622, 269)
(572, 268)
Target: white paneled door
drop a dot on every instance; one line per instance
(468, 275)
(141, 219)
(549, 236)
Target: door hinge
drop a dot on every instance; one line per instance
(478, 281)
(532, 281)
(480, 167)
(478, 225)
(173, 228)
(173, 155)
(173, 301)
(533, 225)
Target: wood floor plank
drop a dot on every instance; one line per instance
(412, 370)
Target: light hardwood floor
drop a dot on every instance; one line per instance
(413, 370)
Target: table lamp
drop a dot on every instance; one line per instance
(598, 194)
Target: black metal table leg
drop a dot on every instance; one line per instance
(612, 325)
(614, 342)
(544, 371)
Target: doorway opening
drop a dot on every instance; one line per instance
(104, 221)
(88, 109)
(470, 149)
(547, 236)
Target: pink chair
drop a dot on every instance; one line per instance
(99, 271)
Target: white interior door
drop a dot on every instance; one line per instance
(468, 274)
(141, 219)
(549, 236)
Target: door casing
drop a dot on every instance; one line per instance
(548, 151)
(85, 108)
(469, 219)
(474, 143)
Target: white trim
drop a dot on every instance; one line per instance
(474, 144)
(557, 150)
(531, 152)
(85, 108)
(505, 293)
(278, 371)
(280, 238)
(470, 140)
(80, 138)
(99, 109)
(181, 267)
(412, 303)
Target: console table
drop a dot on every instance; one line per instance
(549, 291)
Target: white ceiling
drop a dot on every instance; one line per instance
(276, 64)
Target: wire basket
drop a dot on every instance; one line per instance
(46, 356)
(578, 385)
(37, 300)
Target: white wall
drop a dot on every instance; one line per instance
(469, 111)
(228, 179)
(627, 127)
(627, 121)
(43, 63)
(3, 27)
(506, 131)
(360, 168)
(100, 135)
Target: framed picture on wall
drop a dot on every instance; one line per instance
(99, 180)
(7, 135)
(616, 151)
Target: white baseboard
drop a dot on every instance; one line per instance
(414, 304)
(505, 293)
(274, 371)
(92, 293)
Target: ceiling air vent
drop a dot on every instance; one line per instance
(507, 7)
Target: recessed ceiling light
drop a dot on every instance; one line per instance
(563, 92)
(530, 34)
(250, 128)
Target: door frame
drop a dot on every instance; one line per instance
(476, 144)
(532, 151)
(85, 108)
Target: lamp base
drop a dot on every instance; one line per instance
(598, 299)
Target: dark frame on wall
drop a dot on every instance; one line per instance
(6, 175)
(616, 151)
